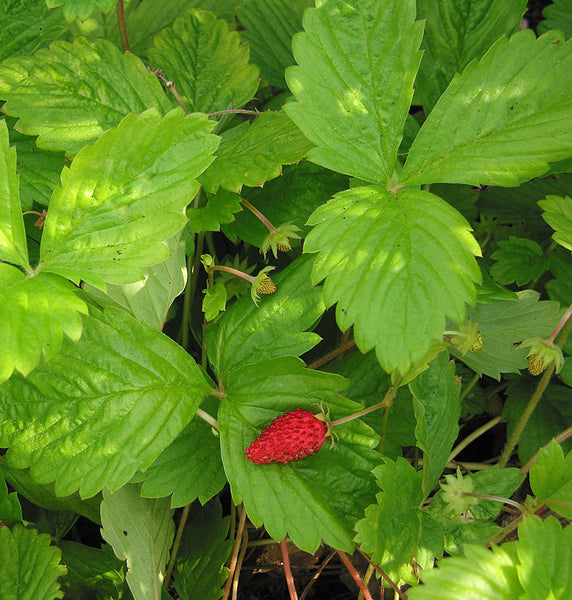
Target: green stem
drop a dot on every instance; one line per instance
(176, 545)
(534, 400)
(473, 436)
(235, 550)
(564, 327)
(320, 362)
(235, 111)
(469, 386)
(193, 268)
(206, 417)
(389, 396)
(564, 435)
(122, 26)
(517, 505)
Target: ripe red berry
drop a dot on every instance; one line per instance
(291, 436)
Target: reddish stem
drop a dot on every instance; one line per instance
(561, 324)
(259, 215)
(355, 575)
(122, 26)
(288, 570)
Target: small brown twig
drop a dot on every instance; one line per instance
(355, 575)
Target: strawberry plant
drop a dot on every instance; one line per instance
(285, 286)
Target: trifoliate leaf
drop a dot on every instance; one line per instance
(354, 83)
(558, 214)
(69, 94)
(81, 9)
(519, 260)
(552, 415)
(503, 325)
(437, 410)
(27, 26)
(201, 570)
(36, 311)
(247, 333)
(13, 246)
(544, 550)
(150, 299)
(396, 265)
(220, 208)
(551, 479)
(140, 532)
(317, 498)
(30, 565)
(107, 417)
(481, 573)
(557, 15)
(189, 468)
(251, 154)
(503, 120)
(207, 63)
(123, 196)
(392, 529)
(268, 27)
(457, 32)
(92, 572)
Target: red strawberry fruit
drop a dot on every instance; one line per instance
(291, 436)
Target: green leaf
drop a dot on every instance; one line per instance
(37, 312)
(214, 301)
(81, 9)
(150, 299)
(220, 208)
(505, 323)
(201, 570)
(544, 550)
(437, 410)
(206, 61)
(251, 154)
(354, 84)
(552, 415)
(480, 574)
(10, 509)
(293, 197)
(39, 170)
(92, 573)
(314, 499)
(107, 416)
(457, 32)
(392, 528)
(551, 479)
(13, 246)
(141, 532)
(278, 328)
(45, 497)
(268, 27)
(558, 214)
(30, 566)
(123, 196)
(28, 26)
(503, 120)
(519, 260)
(190, 467)
(396, 265)
(560, 288)
(557, 15)
(42, 90)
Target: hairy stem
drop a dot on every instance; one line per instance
(259, 215)
(332, 355)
